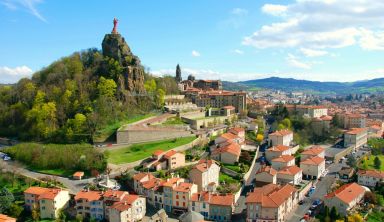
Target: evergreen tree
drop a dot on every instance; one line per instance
(377, 162)
(334, 214)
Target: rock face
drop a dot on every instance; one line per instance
(114, 46)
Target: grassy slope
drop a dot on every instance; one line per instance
(371, 162)
(143, 150)
(106, 132)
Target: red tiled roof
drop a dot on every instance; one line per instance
(313, 161)
(125, 203)
(114, 193)
(232, 148)
(229, 136)
(278, 148)
(270, 195)
(158, 152)
(290, 170)
(183, 187)
(5, 218)
(169, 154)
(314, 150)
(171, 181)
(371, 173)
(204, 164)
(36, 190)
(78, 174)
(355, 131)
(142, 175)
(228, 107)
(347, 193)
(281, 133)
(214, 199)
(50, 194)
(283, 158)
(89, 195)
(267, 169)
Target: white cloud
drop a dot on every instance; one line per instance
(312, 52)
(12, 75)
(294, 62)
(239, 11)
(275, 10)
(320, 24)
(29, 5)
(195, 53)
(238, 51)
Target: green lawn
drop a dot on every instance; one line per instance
(143, 150)
(56, 172)
(370, 162)
(103, 134)
(375, 216)
(227, 179)
(174, 121)
(232, 167)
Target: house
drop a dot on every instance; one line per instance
(240, 132)
(282, 162)
(313, 167)
(168, 192)
(375, 131)
(5, 218)
(191, 216)
(290, 174)
(281, 137)
(217, 207)
(276, 151)
(345, 198)
(226, 138)
(166, 160)
(346, 174)
(356, 137)
(48, 200)
(228, 154)
(114, 206)
(321, 124)
(354, 120)
(312, 152)
(369, 177)
(205, 174)
(138, 180)
(271, 203)
(265, 175)
(78, 175)
(182, 193)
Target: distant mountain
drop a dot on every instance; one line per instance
(290, 84)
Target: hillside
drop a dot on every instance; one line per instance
(290, 84)
(77, 97)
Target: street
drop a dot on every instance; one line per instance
(322, 188)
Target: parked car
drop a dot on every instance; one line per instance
(301, 202)
(6, 158)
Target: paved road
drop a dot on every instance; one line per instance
(73, 186)
(322, 188)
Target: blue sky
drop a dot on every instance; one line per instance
(325, 40)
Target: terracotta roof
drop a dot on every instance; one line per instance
(158, 152)
(152, 183)
(5, 218)
(125, 203)
(89, 195)
(283, 158)
(326, 118)
(141, 176)
(228, 107)
(371, 173)
(355, 115)
(290, 170)
(172, 181)
(183, 187)
(278, 148)
(214, 199)
(232, 148)
(347, 193)
(281, 133)
(267, 169)
(314, 150)
(270, 195)
(114, 194)
(229, 136)
(313, 161)
(237, 129)
(169, 154)
(50, 194)
(204, 164)
(78, 174)
(355, 131)
(36, 190)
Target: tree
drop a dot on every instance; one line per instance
(370, 198)
(106, 87)
(334, 214)
(6, 200)
(35, 213)
(15, 210)
(245, 157)
(351, 161)
(355, 218)
(377, 162)
(327, 218)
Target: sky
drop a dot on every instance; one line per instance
(322, 40)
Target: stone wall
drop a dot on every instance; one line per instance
(131, 136)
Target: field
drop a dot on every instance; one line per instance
(56, 172)
(143, 150)
(370, 162)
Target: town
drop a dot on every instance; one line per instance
(96, 137)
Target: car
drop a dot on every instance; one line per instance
(2, 155)
(6, 158)
(329, 162)
(309, 212)
(301, 202)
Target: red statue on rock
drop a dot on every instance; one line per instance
(114, 30)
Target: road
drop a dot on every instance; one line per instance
(322, 188)
(73, 186)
